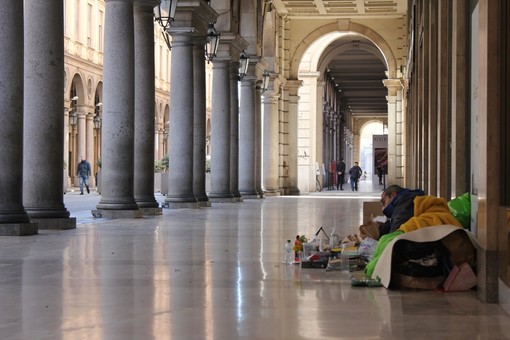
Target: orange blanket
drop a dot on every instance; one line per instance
(429, 211)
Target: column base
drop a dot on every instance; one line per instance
(291, 191)
(151, 211)
(147, 204)
(272, 192)
(204, 203)
(251, 196)
(117, 214)
(18, 229)
(55, 223)
(260, 192)
(223, 199)
(181, 202)
(181, 205)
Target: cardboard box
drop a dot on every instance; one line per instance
(371, 208)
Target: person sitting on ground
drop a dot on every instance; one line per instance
(397, 206)
(408, 212)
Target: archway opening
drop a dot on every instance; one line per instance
(368, 158)
(342, 74)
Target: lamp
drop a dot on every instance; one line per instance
(97, 121)
(213, 42)
(265, 80)
(97, 118)
(164, 132)
(164, 14)
(73, 117)
(243, 65)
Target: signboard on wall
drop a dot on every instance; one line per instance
(380, 146)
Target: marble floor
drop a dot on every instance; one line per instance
(215, 273)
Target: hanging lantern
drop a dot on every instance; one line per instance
(213, 42)
(164, 14)
(243, 65)
(265, 81)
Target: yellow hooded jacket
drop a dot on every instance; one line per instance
(429, 211)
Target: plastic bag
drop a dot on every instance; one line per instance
(460, 207)
(367, 248)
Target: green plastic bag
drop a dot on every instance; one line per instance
(460, 207)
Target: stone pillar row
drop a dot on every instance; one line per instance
(34, 174)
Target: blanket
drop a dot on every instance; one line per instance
(383, 267)
(428, 211)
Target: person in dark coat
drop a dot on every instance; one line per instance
(83, 172)
(340, 168)
(398, 207)
(354, 174)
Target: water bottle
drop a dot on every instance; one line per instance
(288, 256)
(344, 259)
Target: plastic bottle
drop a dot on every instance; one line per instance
(288, 253)
(344, 260)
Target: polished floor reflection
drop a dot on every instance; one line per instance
(215, 273)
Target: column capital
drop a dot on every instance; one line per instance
(147, 5)
(196, 14)
(270, 97)
(231, 46)
(293, 86)
(393, 85)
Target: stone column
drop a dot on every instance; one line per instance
(43, 154)
(14, 220)
(89, 123)
(247, 142)
(66, 147)
(234, 130)
(144, 109)
(394, 132)
(180, 145)
(258, 139)
(82, 131)
(270, 147)
(199, 123)
(292, 87)
(220, 133)
(117, 171)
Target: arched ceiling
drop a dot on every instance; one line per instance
(360, 69)
(303, 9)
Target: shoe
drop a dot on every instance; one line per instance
(81, 193)
(88, 190)
(341, 189)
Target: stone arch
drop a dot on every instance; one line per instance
(308, 63)
(329, 54)
(77, 88)
(308, 41)
(360, 123)
(98, 93)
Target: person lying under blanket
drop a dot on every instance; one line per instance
(408, 210)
